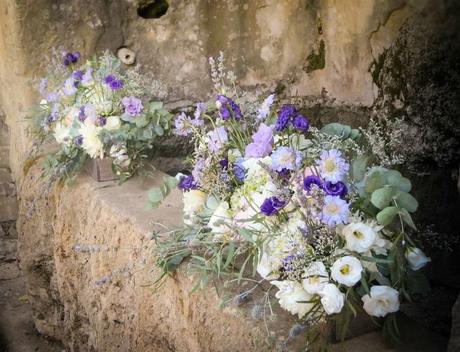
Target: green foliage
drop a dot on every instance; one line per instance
(340, 130)
(158, 194)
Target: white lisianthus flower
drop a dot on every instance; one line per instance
(416, 258)
(347, 271)
(359, 237)
(61, 132)
(220, 221)
(316, 277)
(194, 201)
(380, 301)
(113, 123)
(331, 299)
(91, 141)
(290, 294)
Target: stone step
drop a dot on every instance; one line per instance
(4, 156)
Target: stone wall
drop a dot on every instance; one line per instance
(309, 48)
(8, 202)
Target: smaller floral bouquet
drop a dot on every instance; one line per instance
(96, 110)
(311, 211)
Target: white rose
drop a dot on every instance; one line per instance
(359, 237)
(194, 201)
(220, 221)
(290, 294)
(316, 278)
(113, 123)
(347, 271)
(381, 301)
(332, 299)
(416, 258)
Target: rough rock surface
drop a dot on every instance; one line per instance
(87, 258)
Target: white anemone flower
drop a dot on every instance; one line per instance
(359, 237)
(290, 297)
(315, 278)
(331, 299)
(347, 271)
(380, 301)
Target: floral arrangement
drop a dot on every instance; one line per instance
(309, 209)
(97, 109)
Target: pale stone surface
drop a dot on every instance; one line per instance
(87, 258)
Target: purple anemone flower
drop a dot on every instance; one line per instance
(272, 205)
(311, 181)
(113, 82)
(187, 183)
(335, 189)
(224, 163)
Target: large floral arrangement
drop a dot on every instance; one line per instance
(310, 209)
(97, 109)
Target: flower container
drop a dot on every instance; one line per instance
(100, 169)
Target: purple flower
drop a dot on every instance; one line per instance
(69, 86)
(311, 181)
(286, 158)
(285, 115)
(101, 121)
(335, 189)
(109, 79)
(78, 75)
(224, 163)
(78, 141)
(133, 106)
(301, 123)
(272, 205)
(289, 264)
(238, 170)
(228, 108)
(187, 183)
(197, 171)
(81, 115)
(113, 82)
(201, 109)
(182, 125)
(335, 211)
(262, 143)
(217, 138)
(70, 58)
(87, 77)
(115, 85)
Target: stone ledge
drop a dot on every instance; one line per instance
(88, 264)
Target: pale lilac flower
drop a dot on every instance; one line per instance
(262, 143)
(217, 138)
(133, 106)
(286, 158)
(201, 108)
(90, 112)
(197, 171)
(87, 78)
(264, 109)
(335, 211)
(69, 86)
(332, 165)
(182, 124)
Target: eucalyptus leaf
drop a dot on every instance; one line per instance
(337, 129)
(359, 167)
(385, 217)
(382, 197)
(407, 218)
(407, 201)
